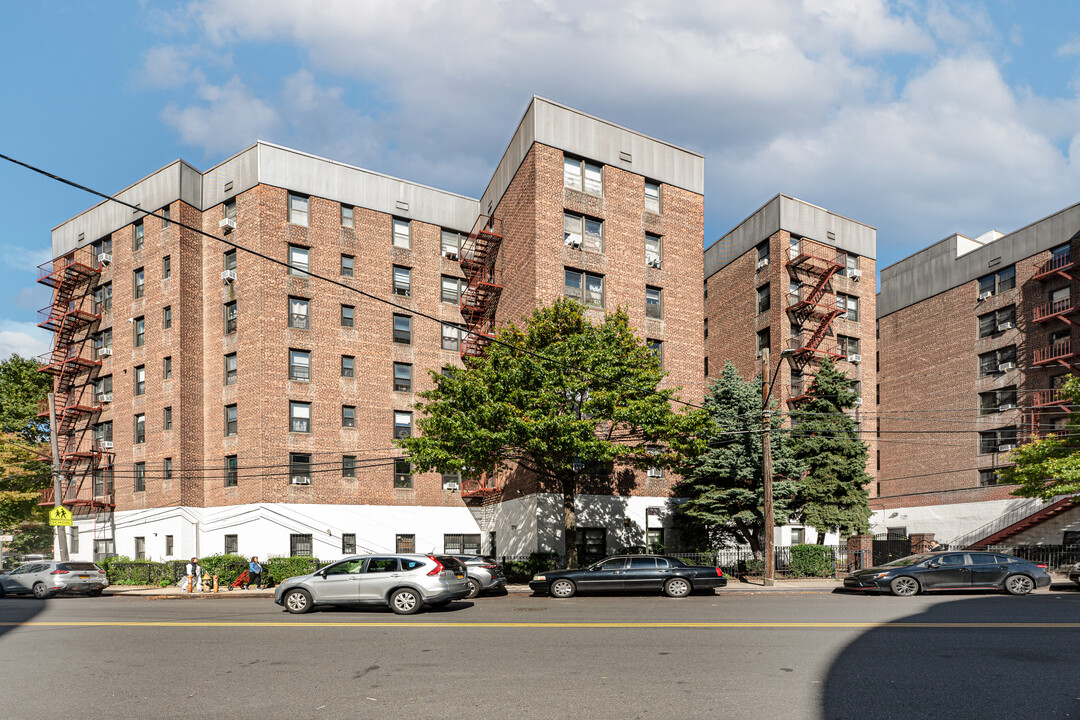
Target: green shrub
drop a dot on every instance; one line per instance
(812, 561)
(279, 569)
(522, 571)
(226, 567)
(753, 566)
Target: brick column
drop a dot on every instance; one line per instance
(860, 552)
(920, 542)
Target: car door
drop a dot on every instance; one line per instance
(21, 579)
(339, 583)
(10, 581)
(379, 576)
(642, 574)
(988, 570)
(947, 571)
(606, 575)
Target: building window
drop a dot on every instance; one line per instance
(402, 473)
(300, 545)
(230, 317)
(348, 266)
(451, 337)
(348, 416)
(763, 255)
(300, 468)
(847, 346)
(348, 366)
(988, 477)
(996, 401)
(140, 477)
(99, 483)
(403, 329)
(166, 318)
(404, 544)
(232, 545)
(140, 380)
(402, 281)
(850, 263)
(166, 368)
(348, 543)
(997, 441)
(451, 244)
(654, 471)
(103, 342)
(583, 176)
(103, 434)
(168, 545)
(764, 298)
(140, 429)
(140, 283)
(230, 369)
(299, 260)
(166, 267)
(402, 234)
(230, 420)
(764, 341)
(232, 474)
(166, 217)
(137, 237)
(140, 332)
(402, 424)
(103, 388)
(848, 305)
(299, 313)
(997, 361)
(451, 481)
(402, 377)
(998, 321)
(300, 365)
(348, 466)
(452, 288)
(230, 260)
(797, 536)
(656, 347)
(228, 209)
(348, 216)
(586, 288)
(997, 282)
(652, 197)
(299, 417)
(140, 548)
(103, 299)
(653, 250)
(654, 307)
(348, 316)
(461, 544)
(166, 419)
(582, 233)
(298, 209)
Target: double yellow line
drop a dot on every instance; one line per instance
(566, 625)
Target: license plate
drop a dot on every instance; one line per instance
(460, 576)
(84, 577)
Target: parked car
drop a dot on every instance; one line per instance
(45, 579)
(1074, 573)
(404, 583)
(951, 571)
(484, 575)
(631, 573)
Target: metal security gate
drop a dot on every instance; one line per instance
(890, 547)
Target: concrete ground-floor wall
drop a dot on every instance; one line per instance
(947, 522)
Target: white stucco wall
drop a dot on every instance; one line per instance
(945, 521)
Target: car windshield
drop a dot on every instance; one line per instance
(78, 566)
(906, 561)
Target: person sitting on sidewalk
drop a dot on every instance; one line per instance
(194, 573)
(254, 574)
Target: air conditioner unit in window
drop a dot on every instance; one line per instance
(1006, 406)
(300, 480)
(105, 351)
(763, 262)
(573, 242)
(228, 275)
(854, 359)
(106, 444)
(451, 485)
(104, 258)
(1006, 367)
(654, 472)
(105, 397)
(653, 261)
(227, 225)
(854, 273)
(1006, 447)
(985, 294)
(1005, 326)
(402, 433)
(858, 402)
(450, 254)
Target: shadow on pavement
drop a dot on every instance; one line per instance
(15, 611)
(383, 610)
(963, 672)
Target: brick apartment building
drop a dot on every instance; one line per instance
(975, 342)
(794, 276)
(212, 401)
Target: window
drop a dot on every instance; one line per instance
(103, 341)
(140, 283)
(231, 545)
(73, 539)
(103, 433)
(140, 429)
(762, 254)
(299, 260)
(452, 288)
(850, 263)
(451, 337)
(103, 299)
(140, 548)
(103, 386)
(230, 369)
(140, 332)
(995, 441)
(140, 380)
(404, 544)
(402, 424)
(402, 473)
(402, 234)
(997, 361)
(848, 305)
(230, 260)
(137, 237)
(847, 346)
(348, 543)
(298, 209)
(230, 317)
(402, 279)
(997, 282)
(797, 536)
(998, 321)
(402, 377)
(764, 341)
(653, 250)
(102, 247)
(348, 466)
(166, 217)
(996, 401)
(654, 471)
(300, 365)
(166, 468)
(166, 317)
(230, 420)
(348, 316)
(348, 366)
(764, 301)
(582, 233)
(451, 481)
(461, 544)
(348, 266)
(347, 216)
(99, 482)
(299, 312)
(593, 286)
(652, 197)
(232, 473)
(451, 244)
(168, 545)
(583, 176)
(166, 419)
(166, 368)
(988, 477)
(654, 307)
(299, 417)
(657, 349)
(140, 477)
(300, 545)
(348, 416)
(403, 329)
(166, 267)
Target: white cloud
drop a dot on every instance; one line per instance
(22, 338)
(23, 258)
(1070, 47)
(170, 66)
(230, 119)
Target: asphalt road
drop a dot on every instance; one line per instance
(739, 656)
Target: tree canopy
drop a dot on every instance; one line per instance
(22, 388)
(1049, 466)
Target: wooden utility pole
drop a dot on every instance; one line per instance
(61, 536)
(766, 461)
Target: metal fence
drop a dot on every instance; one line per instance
(1056, 558)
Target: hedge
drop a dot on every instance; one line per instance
(812, 561)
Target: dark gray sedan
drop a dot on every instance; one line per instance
(631, 573)
(967, 570)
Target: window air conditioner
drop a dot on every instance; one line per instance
(654, 472)
(106, 444)
(1006, 447)
(985, 294)
(854, 359)
(105, 351)
(854, 273)
(450, 254)
(104, 258)
(105, 397)
(653, 261)
(452, 486)
(1006, 406)
(402, 433)
(228, 275)
(227, 225)
(300, 480)
(1005, 326)
(402, 292)
(1006, 367)
(763, 262)
(573, 242)
(858, 402)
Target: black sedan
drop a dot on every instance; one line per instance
(952, 571)
(631, 573)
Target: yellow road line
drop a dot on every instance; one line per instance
(558, 625)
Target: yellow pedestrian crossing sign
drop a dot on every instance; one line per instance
(60, 516)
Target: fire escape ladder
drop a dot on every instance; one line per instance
(812, 265)
(480, 298)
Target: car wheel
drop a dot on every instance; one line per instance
(904, 586)
(474, 588)
(677, 587)
(40, 591)
(562, 589)
(1019, 585)
(405, 601)
(298, 601)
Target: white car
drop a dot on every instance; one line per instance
(45, 579)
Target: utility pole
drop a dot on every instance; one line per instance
(61, 536)
(766, 461)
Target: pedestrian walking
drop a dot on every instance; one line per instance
(195, 572)
(254, 573)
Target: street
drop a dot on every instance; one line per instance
(769, 655)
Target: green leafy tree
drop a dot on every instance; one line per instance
(578, 423)
(1049, 466)
(24, 472)
(724, 487)
(22, 388)
(832, 493)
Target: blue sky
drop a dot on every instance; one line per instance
(922, 118)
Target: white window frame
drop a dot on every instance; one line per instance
(299, 209)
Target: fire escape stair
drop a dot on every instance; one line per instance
(818, 263)
(480, 298)
(1040, 516)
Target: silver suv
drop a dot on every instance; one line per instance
(485, 575)
(404, 583)
(45, 579)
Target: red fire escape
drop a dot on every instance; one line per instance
(1061, 352)
(72, 278)
(813, 308)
